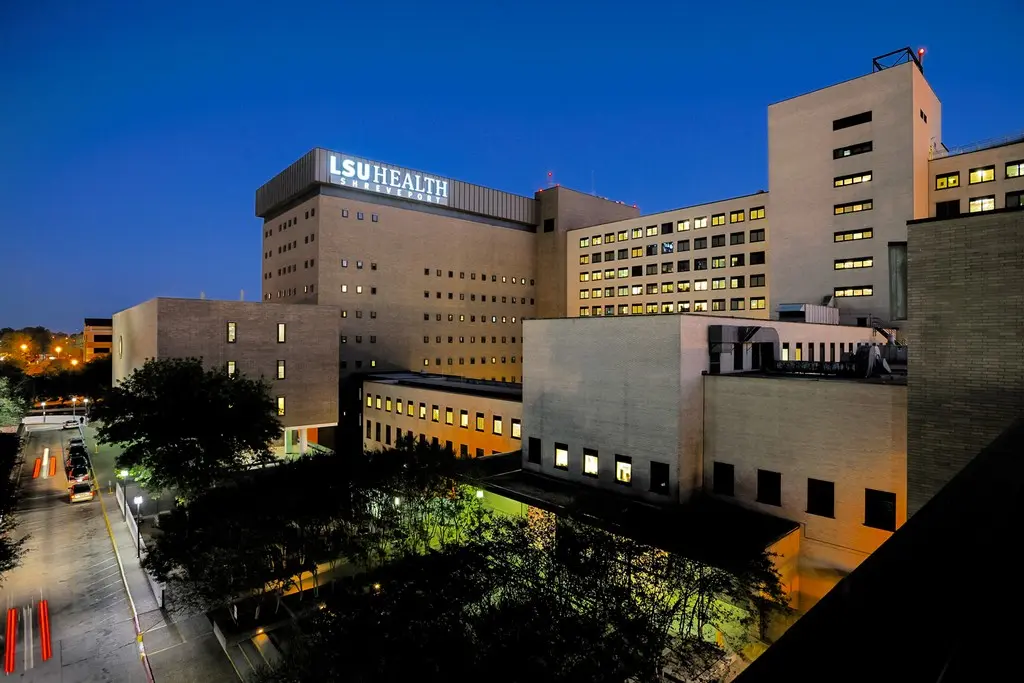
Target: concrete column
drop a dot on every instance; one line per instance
(287, 441)
(303, 441)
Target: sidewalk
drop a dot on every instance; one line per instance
(182, 649)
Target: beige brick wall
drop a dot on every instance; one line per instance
(683, 222)
(387, 404)
(180, 328)
(966, 366)
(850, 432)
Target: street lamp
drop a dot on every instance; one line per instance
(58, 350)
(74, 405)
(85, 402)
(138, 528)
(74, 362)
(44, 409)
(24, 347)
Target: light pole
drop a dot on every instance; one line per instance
(138, 527)
(58, 350)
(74, 405)
(44, 410)
(86, 408)
(124, 478)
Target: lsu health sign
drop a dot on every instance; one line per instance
(397, 182)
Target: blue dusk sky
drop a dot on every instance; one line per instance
(133, 135)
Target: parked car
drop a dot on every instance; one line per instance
(78, 474)
(70, 424)
(76, 441)
(74, 461)
(81, 493)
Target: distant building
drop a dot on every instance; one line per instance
(97, 337)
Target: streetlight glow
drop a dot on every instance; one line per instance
(137, 500)
(74, 362)
(24, 347)
(58, 349)
(124, 474)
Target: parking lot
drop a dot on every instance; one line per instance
(70, 570)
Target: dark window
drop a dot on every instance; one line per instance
(652, 250)
(659, 476)
(369, 429)
(700, 243)
(880, 509)
(683, 245)
(376, 431)
(683, 266)
(718, 240)
(666, 228)
(549, 225)
(849, 121)
(757, 235)
(700, 264)
(479, 452)
(821, 498)
(950, 209)
(724, 481)
(769, 487)
(387, 435)
(736, 238)
(463, 450)
(638, 271)
(852, 150)
(103, 337)
(1014, 200)
(756, 258)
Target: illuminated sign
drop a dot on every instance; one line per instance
(397, 182)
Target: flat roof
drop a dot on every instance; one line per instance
(705, 529)
(894, 380)
(508, 391)
(99, 322)
(759, 193)
(963, 216)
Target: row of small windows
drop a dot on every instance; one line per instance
(852, 150)
(232, 332)
(588, 463)
(232, 368)
(757, 258)
(847, 264)
(359, 264)
(735, 282)
(359, 215)
(472, 297)
(409, 408)
(288, 223)
(854, 179)
(472, 361)
(670, 247)
(756, 303)
(950, 209)
(358, 364)
(289, 291)
(373, 431)
(798, 351)
(289, 246)
(483, 276)
(851, 235)
(879, 506)
(862, 290)
(472, 340)
(472, 319)
(982, 174)
(755, 213)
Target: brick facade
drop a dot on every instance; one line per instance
(966, 368)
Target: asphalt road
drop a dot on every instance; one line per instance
(70, 563)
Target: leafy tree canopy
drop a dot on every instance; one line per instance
(12, 404)
(186, 428)
(11, 549)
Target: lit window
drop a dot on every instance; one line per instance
(496, 425)
(865, 290)
(651, 308)
(584, 259)
(979, 204)
(387, 404)
(280, 369)
(584, 293)
(700, 306)
(596, 275)
(623, 469)
(409, 408)
(947, 180)
(232, 328)
(668, 307)
(701, 222)
(479, 422)
(757, 213)
(280, 333)
(636, 233)
(736, 216)
(652, 230)
(231, 368)
(683, 306)
(853, 207)
(718, 283)
(683, 286)
(668, 287)
(280, 406)
(423, 411)
(1015, 169)
(561, 456)
(682, 226)
(623, 236)
(435, 414)
(609, 237)
(736, 304)
(718, 304)
(584, 312)
(865, 262)
(982, 175)
(377, 401)
(596, 242)
(584, 277)
(718, 219)
(464, 419)
(855, 179)
(850, 235)
(399, 408)
(700, 285)
(584, 242)
(718, 262)
(517, 425)
(736, 260)
(757, 303)
(590, 462)
(369, 401)
(636, 252)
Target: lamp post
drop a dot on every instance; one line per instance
(44, 410)
(138, 528)
(124, 477)
(85, 409)
(58, 349)
(74, 405)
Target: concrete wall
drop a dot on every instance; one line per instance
(849, 432)
(379, 395)
(632, 386)
(963, 163)
(802, 169)
(180, 328)
(682, 224)
(966, 371)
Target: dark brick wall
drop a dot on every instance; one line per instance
(966, 366)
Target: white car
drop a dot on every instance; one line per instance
(80, 493)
